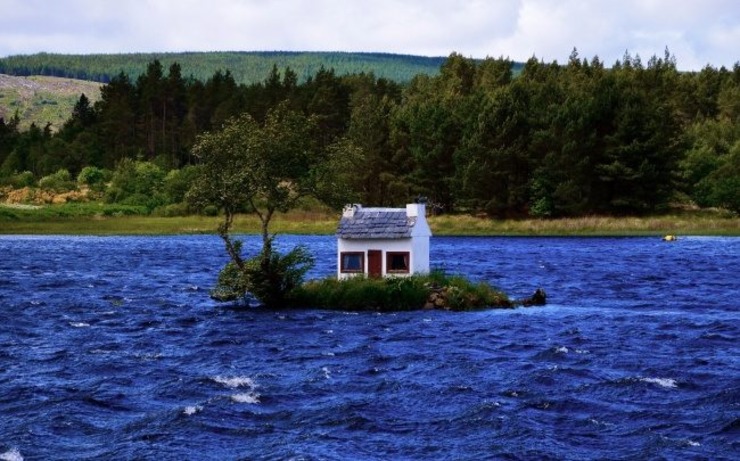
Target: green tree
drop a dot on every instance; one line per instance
(723, 184)
(327, 99)
(27, 152)
(638, 170)
(264, 169)
(117, 121)
(8, 137)
(709, 168)
(428, 129)
(570, 140)
(492, 166)
(371, 168)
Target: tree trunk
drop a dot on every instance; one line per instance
(231, 248)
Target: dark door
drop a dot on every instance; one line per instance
(374, 263)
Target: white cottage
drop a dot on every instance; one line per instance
(379, 242)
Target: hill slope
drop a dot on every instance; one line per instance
(246, 67)
(42, 100)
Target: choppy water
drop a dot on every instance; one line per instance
(111, 349)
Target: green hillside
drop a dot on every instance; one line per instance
(246, 67)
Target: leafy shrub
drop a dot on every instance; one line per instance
(137, 184)
(172, 210)
(270, 277)
(210, 210)
(142, 200)
(93, 177)
(231, 284)
(113, 194)
(61, 181)
(178, 182)
(69, 210)
(726, 193)
(7, 214)
(21, 180)
(124, 210)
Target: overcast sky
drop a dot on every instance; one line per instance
(697, 32)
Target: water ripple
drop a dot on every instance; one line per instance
(111, 349)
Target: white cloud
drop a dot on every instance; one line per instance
(698, 32)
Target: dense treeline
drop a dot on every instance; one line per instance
(245, 67)
(555, 140)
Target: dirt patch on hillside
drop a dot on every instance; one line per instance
(29, 86)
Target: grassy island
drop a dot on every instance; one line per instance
(432, 291)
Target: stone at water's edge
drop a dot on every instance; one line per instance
(539, 298)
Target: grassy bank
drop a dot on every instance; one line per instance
(96, 220)
(28, 221)
(684, 223)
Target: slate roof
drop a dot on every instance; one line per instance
(376, 223)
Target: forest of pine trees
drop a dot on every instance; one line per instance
(554, 140)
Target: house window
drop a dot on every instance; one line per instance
(397, 262)
(352, 262)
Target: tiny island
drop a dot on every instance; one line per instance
(383, 264)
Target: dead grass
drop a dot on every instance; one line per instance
(310, 222)
(682, 224)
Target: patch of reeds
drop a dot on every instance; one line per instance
(707, 222)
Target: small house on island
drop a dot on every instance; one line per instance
(379, 242)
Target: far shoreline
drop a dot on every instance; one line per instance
(681, 224)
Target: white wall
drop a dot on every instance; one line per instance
(420, 255)
(417, 247)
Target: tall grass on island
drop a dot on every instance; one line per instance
(427, 291)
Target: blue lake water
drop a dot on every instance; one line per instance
(110, 348)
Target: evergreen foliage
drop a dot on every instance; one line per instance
(549, 140)
(247, 68)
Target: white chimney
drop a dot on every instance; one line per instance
(350, 210)
(416, 209)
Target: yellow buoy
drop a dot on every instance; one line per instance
(670, 238)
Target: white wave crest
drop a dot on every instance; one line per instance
(11, 455)
(79, 324)
(246, 397)
(192, 409)
(662, 382)
(234, 382)
(562, 350)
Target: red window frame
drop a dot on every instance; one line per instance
(390, 255)
(344, 269)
